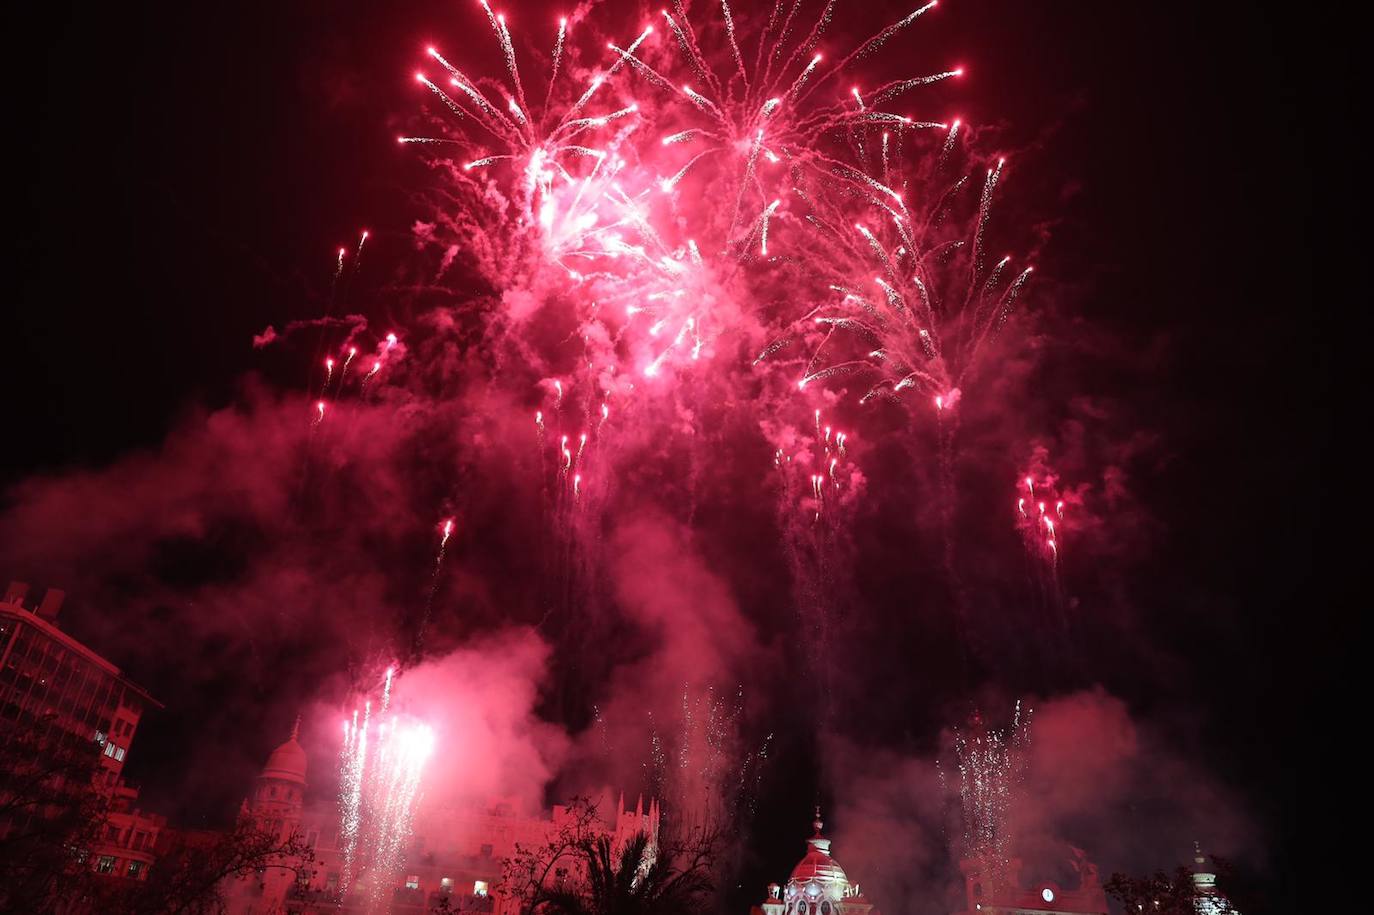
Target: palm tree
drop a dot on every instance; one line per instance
(639, 880)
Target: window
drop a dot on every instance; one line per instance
(486, 851)
(413, 882)
(109, 749)
(119, 754)
(135, 869)
(479, 888)
(105, 864)
(331, 881)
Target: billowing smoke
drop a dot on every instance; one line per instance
(1090, 777)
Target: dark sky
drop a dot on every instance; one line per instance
(185, 172)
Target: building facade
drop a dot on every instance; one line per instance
(1012, 895)
(69, 700)
(455, 853)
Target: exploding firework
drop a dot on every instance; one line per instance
(381, 765)
(910, 304)
(599, 185)
(674, 196)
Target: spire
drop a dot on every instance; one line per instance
(1203, 877)
(296, 729)
(818, 823)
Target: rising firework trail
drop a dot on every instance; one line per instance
(445, 532)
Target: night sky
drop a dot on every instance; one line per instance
(186, 173)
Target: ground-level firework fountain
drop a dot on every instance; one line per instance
(990, 766)
(382, 763)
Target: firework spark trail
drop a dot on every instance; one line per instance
(701, 773)
(923, 332)
(343, 370)
(382, 761)
(445, 531)
(353, 766)
(1048, 517)
(819, 485)
(990, 764)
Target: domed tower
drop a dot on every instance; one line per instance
(279, 793)
(818, 885)
(1209, 899)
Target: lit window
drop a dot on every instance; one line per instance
(105, 864)
(135, 869)
(100, 737)
(109, 749)
(412, 882)
(479, 888)
(119, 754)
(1047, 894)
(446, 885)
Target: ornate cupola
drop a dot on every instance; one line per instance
(818, 885)
(279, 794)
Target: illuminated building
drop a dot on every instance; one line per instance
(277, 807)
(1009, 896)
(62, 693)
(1210, 899)
(455, 851)
(817, 886)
